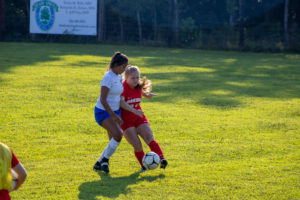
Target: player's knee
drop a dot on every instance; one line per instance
(118, 136)
(138, 148)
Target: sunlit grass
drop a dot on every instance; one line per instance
(227, 122)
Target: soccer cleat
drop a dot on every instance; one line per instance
(163, 163)
(101, 166)
(143, 169)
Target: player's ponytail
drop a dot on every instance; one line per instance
(118, 59)
(5, 167)
(144, 84)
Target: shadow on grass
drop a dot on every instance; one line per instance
(210, 78)
(225, 78)
(112, 187)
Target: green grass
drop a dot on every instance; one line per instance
(228, 123)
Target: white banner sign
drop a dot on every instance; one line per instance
(76, 17)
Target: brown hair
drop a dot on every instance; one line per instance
(144, 84)
(118, 59)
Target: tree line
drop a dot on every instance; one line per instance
(258, 25)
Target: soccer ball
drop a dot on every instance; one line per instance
(151, 160)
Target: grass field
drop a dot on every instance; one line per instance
(228, 123)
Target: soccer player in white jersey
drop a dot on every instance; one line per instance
(107, 109)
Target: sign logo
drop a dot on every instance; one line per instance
(45, 13)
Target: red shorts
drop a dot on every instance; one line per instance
(4, 195)
(136, 122)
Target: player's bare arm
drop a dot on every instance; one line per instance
(126, 106)
(148, 95)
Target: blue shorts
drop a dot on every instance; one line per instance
(101, 115)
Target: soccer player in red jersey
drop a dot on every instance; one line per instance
(8, 162)
(133, 125)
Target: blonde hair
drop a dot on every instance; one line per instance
(5, 167)
(144, 83)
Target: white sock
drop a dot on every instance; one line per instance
(110, 149)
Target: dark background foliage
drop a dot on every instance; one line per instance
(256, 25)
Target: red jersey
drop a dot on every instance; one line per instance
(4, 195)
(14, 160)
(133, 97)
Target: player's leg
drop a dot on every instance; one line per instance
(109, 135)
(145, 131)
(115, 134)
(131, 136)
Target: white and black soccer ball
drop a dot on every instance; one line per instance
(151, 160)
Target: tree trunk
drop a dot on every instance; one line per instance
(176, 20)
(154, 24)
(241, 24)
(171, 23)
(121, 23)
(232, 14)
(231, 22)
(121, 28)
(138, 17)
(2, 18)
(101, 20)
(27, 8)
(285, 23)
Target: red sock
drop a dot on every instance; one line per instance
(154, 146)
(139, 156)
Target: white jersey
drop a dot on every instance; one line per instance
(115, 86)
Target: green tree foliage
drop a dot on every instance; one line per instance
(199, 23)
